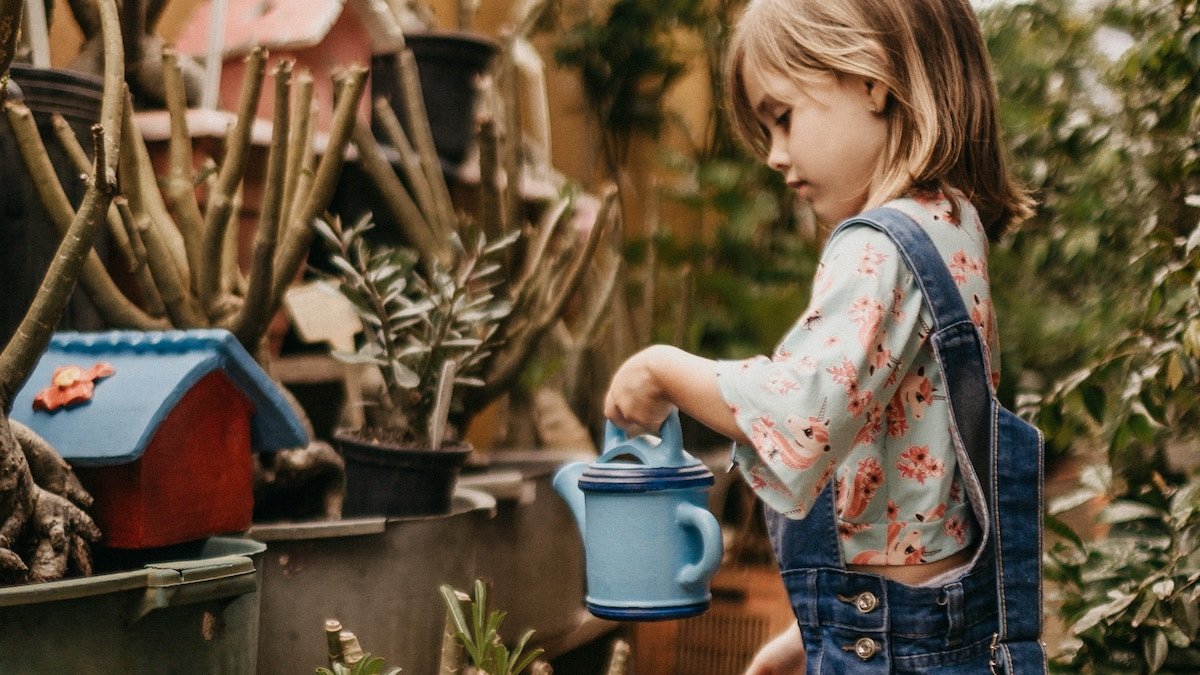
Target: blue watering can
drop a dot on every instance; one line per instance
(650, 545)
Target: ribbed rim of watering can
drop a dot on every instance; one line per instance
(622, 477)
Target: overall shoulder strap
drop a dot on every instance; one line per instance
(957, 344)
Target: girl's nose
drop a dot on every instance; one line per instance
(777, 156)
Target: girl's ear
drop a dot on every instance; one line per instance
(877, 93)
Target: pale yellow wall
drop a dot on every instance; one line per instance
(574, 148)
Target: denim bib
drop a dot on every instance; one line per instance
(989, 619)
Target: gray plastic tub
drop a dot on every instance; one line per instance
(198, 615)
(378, 576)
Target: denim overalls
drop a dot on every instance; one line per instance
(988, 619)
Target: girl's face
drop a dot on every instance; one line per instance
(826, 137)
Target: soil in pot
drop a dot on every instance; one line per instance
(391, 479)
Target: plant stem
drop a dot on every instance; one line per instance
(251, 320)
(233, 167)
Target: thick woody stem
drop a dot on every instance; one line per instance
(161, 257)
(299, 233)
(233, 166)
(511, 153)
(140, 267)
(139, 183)
(181, 179)
(396, 198)
(114, 307)
(512, 356)
(299, 139)
(410, 161)
(33, 334)
(83, 166)
(418, 122)
(251, 320)
(491, 214)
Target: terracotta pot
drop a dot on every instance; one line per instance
(385, 479)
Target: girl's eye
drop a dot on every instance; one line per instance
(784, 120)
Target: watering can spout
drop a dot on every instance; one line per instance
(566, 483)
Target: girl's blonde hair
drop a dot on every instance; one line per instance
(941, 110)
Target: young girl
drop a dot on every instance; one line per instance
(904, 503)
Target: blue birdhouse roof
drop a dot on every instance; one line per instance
(154, 370)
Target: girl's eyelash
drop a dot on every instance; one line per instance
(783, 119)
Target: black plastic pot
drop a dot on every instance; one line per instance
(388, 480)
(27, 238)
(448, 63)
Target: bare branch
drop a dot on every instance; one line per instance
(299, 139)
(410, 161)
(251, 320)
(299, 233)
(83, 166)
(33, 334)
(139, 183)
(418, 122)
(114, 307)
(181, 179)
(399, 202)
(233, 166)
(491, 213)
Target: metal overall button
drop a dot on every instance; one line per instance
(865, 602)
(864, 648)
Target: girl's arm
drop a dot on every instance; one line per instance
(651, 382)
(798, 414)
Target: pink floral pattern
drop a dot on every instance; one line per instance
(853, 395)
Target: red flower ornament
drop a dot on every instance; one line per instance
(70, 385)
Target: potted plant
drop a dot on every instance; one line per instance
(429, 327)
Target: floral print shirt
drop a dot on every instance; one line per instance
(853, 394)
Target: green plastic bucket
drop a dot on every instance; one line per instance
(198, 615)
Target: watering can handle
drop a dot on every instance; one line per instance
(668, 453)
(712, 547)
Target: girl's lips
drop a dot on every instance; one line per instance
(800, 187)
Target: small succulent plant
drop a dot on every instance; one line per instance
(480, 636)
(428, 327)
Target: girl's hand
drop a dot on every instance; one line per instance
(636, 398)
(783, 655)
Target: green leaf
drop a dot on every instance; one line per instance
(1124, 511)
(403, 376)
(1155, 648)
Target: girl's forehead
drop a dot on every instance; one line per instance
(762, 82)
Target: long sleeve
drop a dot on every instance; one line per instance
(826, 388)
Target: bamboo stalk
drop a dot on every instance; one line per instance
(181, 179)
(299, 233)
(233, 166)
(249, 324)
(114, 307)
